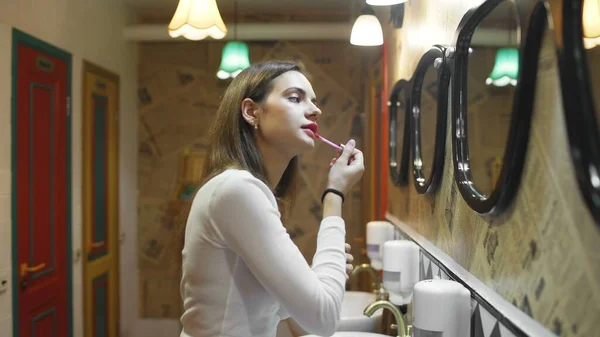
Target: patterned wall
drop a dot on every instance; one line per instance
(542, 254)
(178, 98)
(486, 321)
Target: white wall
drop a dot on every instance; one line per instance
(90, 30)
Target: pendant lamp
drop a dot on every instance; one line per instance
(591, 23)
(234, 59)
(506, 68)
(366, 30)
(506, 65)
(196, 20)
(385, 2)
(235, 56)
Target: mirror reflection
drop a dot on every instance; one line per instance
(493, 69)
(399, 133)
(591, 43)
(428, 120)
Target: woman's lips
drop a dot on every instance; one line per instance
(313, 127)
(310, 132)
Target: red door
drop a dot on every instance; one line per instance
(41, 173)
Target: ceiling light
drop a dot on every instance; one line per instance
(234, 59)
(235, 55)
(506, 68)
(196, 20)
(366, 30)
(591, 23)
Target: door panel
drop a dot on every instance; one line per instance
(100, 202)
(41, 190)
(100, 305)
(99, 226)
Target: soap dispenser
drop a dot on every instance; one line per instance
(400, 270)
(378, 232)
(441, 308)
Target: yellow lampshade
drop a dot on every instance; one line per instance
(196, 20)
(591, 23)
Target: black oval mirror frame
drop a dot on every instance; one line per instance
(434, 57)
(516, 147)
(579, 110)
(399, 166)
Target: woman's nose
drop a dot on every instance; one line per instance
(315, 113)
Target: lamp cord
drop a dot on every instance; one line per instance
(235, 21)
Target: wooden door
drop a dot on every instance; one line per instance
(100, 202)
(41, 189)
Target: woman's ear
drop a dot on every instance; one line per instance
(250, 111)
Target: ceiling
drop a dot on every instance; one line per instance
(258, 10)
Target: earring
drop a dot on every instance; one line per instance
(256, 126)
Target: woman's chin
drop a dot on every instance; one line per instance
(310, 144)
(306, 146)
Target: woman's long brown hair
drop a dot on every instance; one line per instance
(231, 138)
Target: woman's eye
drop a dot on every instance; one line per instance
(294, 99)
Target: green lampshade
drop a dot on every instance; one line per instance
(234, 59)
(506, 68)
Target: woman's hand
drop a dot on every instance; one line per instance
(347, 169)
(349, 259)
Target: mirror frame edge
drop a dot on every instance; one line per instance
(583, 133)
(432, 182)
(508, 182)
(399, 169)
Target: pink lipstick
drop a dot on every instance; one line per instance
(330, 143)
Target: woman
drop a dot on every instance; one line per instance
(242, 273)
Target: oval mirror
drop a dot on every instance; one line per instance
(492, 101)
(399, 146)
(491, 84)
(429, 106)
(579, 63)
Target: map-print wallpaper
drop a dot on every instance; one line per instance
(543, 253)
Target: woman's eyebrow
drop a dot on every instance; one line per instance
(302, 92)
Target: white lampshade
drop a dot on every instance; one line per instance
(366, 30)
(197, 19)
(591, 23)
(384, 2)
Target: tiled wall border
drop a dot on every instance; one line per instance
(491, 314)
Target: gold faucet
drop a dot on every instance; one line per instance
(378, 290)
(404, 330)
(366, 267)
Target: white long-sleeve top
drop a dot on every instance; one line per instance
(242, 273)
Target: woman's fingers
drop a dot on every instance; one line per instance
(349, 259)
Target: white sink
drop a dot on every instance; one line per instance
(352, 334)
(352, 318)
